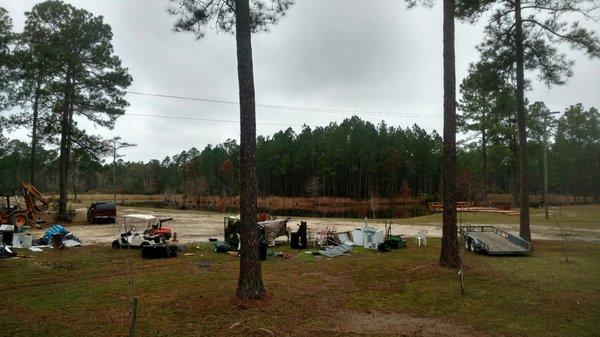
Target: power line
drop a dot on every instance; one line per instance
(207, 119)
(289, 107)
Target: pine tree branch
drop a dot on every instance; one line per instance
(591, 49)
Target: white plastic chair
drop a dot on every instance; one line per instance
(421, 238)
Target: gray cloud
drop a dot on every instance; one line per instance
(348, 54)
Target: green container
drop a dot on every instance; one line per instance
(398, 239)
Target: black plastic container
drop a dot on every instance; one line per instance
(295, 240)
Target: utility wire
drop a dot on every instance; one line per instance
(208, 119)
(293, 108)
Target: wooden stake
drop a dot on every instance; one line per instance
(133, 316)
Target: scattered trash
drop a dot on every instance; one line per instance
(345, 237)
(235, 325)
(333, 251)
(272, 229)
(357, 237)
(222, 247)
(299, 239)
(71, 243)
(6, 252)
(56, 240)
(159, 251)
(372, 237)
(55, 229)
(382, 247)
(262, 248)
(35, 249)
(21, 240)
(395, 242)
(188, 254)
(6, 234)
(267, 331)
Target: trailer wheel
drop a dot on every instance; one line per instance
(471, 246)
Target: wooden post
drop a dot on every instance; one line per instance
(133, 316)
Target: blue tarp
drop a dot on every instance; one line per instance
(56, 229)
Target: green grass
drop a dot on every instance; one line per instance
(586, 216)
(82, 292)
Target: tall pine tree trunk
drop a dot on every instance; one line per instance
(63, 171)
(250, 284)
(449, 255)
(484, 160)
(524, 230)
(34, 136)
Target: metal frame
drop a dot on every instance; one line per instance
(516, 240)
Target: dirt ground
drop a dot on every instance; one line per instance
(197, 226)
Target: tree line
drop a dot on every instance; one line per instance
(354, 159)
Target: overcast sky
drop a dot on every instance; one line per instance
(340, 54)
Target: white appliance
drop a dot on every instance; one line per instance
(372, 237)
(21, 240)
(357, 236)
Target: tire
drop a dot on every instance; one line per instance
(115, 244)
(18, 219)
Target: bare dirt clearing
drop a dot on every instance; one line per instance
(357, 323)
(197, 226)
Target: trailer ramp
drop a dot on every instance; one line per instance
(494, 241)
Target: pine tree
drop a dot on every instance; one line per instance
(243, 17)
(7, 39)
(87, 79)
(522, 36)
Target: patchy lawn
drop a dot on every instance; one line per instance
(585, 216)
(577, 222)
(82, 292)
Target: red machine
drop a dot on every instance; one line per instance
(159, 230)
(17, 216)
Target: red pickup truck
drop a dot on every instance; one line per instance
(102, 212)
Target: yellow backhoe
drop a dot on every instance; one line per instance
(16, 216)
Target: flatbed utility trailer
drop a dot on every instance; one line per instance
(494, 241)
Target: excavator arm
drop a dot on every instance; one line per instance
(31, 194)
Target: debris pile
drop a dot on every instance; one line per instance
(18, 237)
(327, 241)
